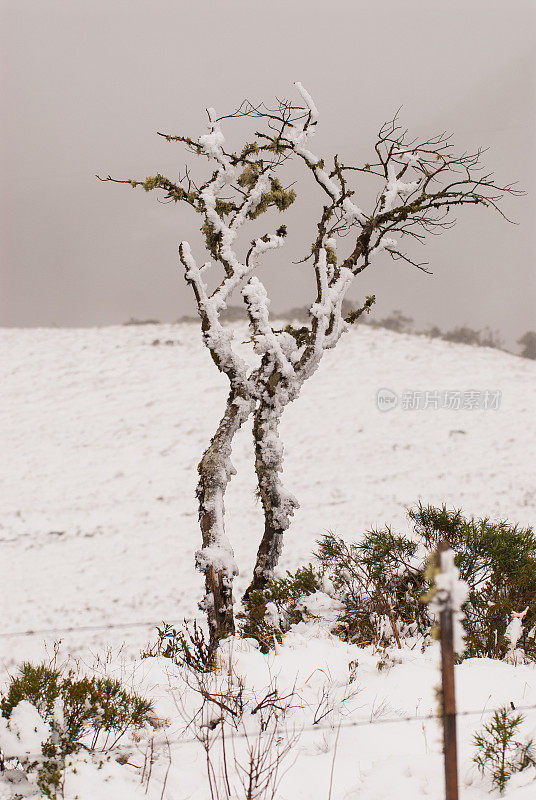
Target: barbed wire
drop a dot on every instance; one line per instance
(317, 727)
(86, 628)
(363, 723)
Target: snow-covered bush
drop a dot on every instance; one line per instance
(48, 715)
(371, 592)
(499, 752)
(498, 562)
(381, 580)
(270, 612)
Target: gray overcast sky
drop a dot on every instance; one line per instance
(85, 85)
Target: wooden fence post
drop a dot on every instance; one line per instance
(448, 692)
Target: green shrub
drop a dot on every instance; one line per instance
(381, 582)
(382, 579)
(82, 712)
(498, 562)
(499, 752)
(40, 685)
(269, 612)
(187, 646)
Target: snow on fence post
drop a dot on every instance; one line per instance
(448, 597)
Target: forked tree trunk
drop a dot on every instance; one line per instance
(278, 504)
(216, 559)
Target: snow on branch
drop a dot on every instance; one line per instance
(451, 594)
(211, 143)
(296, 136)
(422, 181)
(267, 341)
(395, 188)
(216, 338)
(327, 310)
(309, 102)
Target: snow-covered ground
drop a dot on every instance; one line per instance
(102, 430)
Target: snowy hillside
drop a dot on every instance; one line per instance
(103, 429)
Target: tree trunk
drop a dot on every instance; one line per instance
(216, 559)
(278, 504)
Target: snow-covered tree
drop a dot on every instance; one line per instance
(419, 184)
